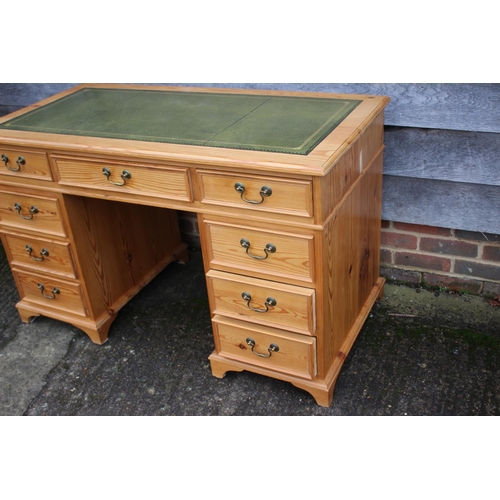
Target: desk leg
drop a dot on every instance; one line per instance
(100, 334)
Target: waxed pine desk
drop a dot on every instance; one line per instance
(287, 191)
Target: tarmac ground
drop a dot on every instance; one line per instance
(419, 353)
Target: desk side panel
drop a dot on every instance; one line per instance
(346, 172)
(350, 261)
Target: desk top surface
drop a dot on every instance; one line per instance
(241, 121)
(298, 130)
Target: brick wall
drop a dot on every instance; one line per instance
(458, 260)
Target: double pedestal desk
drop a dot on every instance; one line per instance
(287, 191)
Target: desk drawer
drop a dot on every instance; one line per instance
(40, 254)
(274, 349)
(33, 213)
(52, 293)
(264, 302)
(24, 163)
(261, 253)
(269, 194)
(164, 182)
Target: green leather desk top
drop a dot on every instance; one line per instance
(238, 121)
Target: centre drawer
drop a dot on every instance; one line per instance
(260, 252)
(148, 180)
(32, 213)
(264, 302)
(266, 347)
(40, 254)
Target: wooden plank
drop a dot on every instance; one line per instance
(451, 106)
(443, 155)
(6, 109)
(24, 94)
(472, 207)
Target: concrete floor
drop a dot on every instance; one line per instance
(418, 354)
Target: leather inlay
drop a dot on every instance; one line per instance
(270, 123)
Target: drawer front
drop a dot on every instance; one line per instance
(263, 302)
(262, 253)
(40, 254)
(164, 182)
(274, 349)
(28, 212)
(268, 194)
(24, 164)
(51, 293)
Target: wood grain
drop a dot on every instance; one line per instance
(443, 155)
(292, 261)
(59, 259)
(48, 219)
(294, 309)
(35, 166)
(70, 298)
(120, 247)
(288, 196)
(471, 207)
(296, 354)
(145, 180)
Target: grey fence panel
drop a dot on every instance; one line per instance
(472, 207)
(443, 155)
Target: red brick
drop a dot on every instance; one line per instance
(475, 236)
(491, 289)
(399, 240)
(423, 261)
(453, 283)
(491, 253)
(478, 269)
(385, 224)
(448, 247)
(385, 256)
(401, 275)
(419, 228)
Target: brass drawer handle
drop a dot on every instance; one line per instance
(54, 292)
(272, 348)
(265, 191)
(20, 161)
(269, 302)
(125, 175)
(33, 210)
(270, 248)
(44, 253)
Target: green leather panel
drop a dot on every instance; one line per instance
(238, 121)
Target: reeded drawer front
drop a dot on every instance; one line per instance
(32, 213)
(166, 182)
(24, 163)
(269, 194)
(257, 252)
(40, 254)
(267, 347)
(51, 293)
(264, 302)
